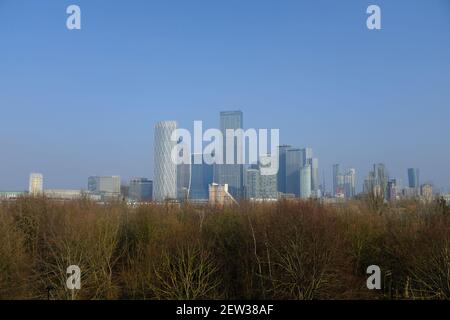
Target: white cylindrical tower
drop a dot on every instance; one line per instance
(165, 170)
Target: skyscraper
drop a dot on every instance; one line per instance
(252, 183)
(350, 184)
(231, 174)
(413, 178)
(305, 182)
(267, 183)
(377, 181)
(281, 177)
(315, 174)
(336, 173)
(293, 164)
(36, 184)
(201, 177)
(307, 155)
(165, 170)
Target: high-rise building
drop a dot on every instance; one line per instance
(281, 177)
(140, 190)
(107, 186)
(377, 181)
(336, 174)
(293, 164)
(307, 155)
(426, 191)
(231, 174)
(252, 183)
(201, 177)
(183, 180)
(267, 183)
(165, 169)
(305, 182)
(36, 184)
(413, 179)
(392, 190)
(315, 174)
(349, 184)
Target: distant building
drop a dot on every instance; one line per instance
(252, 183)
(414, 180)
(305, 182)
(231, 174)
(183, 180)
(36, 184)
(293, 164)
(12, 195)
(315, 174)
(107, 187)
(336, 174)
(165, 170)
(344, 184)
(67, 195)
(140, 190)
(392, 190)
(377, 181)
(267, 183)
(281, 178)
(219, 195)
(426, 191)
(201, 176)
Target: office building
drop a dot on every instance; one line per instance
(315, 174)
(140, 190)
(107, 186)
(305, 182)
(336, 184)
(267, 183)
(165, 169)
(231, 174)
(252, 183)
(293, 165)
(201, 177)
(36, 184)
(281, 177)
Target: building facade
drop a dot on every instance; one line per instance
(165, 170)
(231, 174)
(36, 184)
(305, 182)
(140, 190)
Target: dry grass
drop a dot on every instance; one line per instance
(286, 250)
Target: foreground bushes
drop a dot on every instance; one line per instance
(287, 250)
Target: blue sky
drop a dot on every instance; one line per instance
(80, 103)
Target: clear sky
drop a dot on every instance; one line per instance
(80, 103)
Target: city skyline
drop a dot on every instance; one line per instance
(298, 172)
(81, 104)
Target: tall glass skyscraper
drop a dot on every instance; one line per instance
(231, 174)
(165, 170)
(336, 174)
(305, 182)
(281, 177)
(413, 178)
(201, 176)
(315, 174)
(293, 164)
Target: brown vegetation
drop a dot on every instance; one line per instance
(285, 250)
